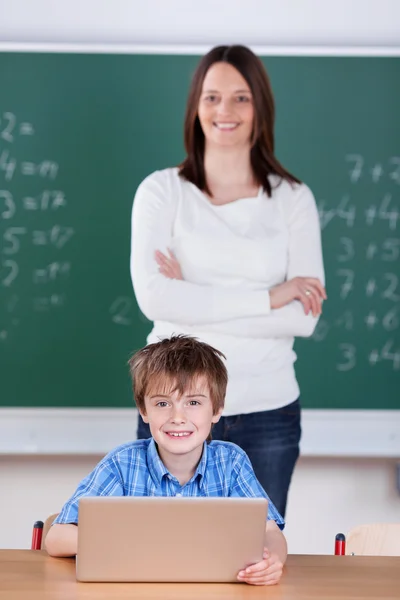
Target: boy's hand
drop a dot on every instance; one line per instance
(266, 572)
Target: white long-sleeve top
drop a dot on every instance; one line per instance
(230, 256)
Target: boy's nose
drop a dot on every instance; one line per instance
(178, 416)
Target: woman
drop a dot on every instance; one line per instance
(227, 248)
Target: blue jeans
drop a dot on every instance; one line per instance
(271, 440)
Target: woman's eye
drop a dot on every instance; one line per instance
(210, 98)
(243, 99)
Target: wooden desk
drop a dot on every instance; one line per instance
(33, 575)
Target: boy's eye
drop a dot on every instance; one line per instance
(162, 404)
(193, 402)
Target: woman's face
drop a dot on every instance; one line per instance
(225, 109)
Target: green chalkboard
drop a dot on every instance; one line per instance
(77, 135)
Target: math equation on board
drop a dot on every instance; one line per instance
(25, 228)
(364, 281)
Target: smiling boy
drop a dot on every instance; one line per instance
(179, 386)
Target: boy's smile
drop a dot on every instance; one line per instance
(179, 424)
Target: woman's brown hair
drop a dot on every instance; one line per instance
(262, 156)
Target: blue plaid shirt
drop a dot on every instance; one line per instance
(135, 469)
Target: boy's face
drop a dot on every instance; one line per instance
(180, 423)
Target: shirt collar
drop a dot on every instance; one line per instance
(202, 466)
(158, 470)
(155, 464)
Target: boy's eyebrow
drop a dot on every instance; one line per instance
(195, 395)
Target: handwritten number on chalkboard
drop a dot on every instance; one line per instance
(388, 354)
(120, 310)
(325, 216)
(389, 293)
(390, 214)
(357, 162)
(9, 204)
(346, 212)
(349, 356)
(348, 249)
(391, 320)
(6, 132)
(347, 285)
(14, 270)
(395, 173)
(346, 320)
(7, 165)
(321, 330)
(11, 236)
(391, 249)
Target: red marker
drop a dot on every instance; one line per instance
(37, 535)
(340, 544)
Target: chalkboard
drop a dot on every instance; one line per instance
(78, 132)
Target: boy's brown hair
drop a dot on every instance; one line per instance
(178, 361)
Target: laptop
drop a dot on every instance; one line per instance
(168, 539)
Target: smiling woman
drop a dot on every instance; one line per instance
(225, 111)
(226, 247)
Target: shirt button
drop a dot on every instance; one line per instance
(178, 495)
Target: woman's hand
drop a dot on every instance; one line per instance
(266, 572)
(308, 290)
(168, 265)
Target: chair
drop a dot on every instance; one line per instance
(40, 530)
(377, 539)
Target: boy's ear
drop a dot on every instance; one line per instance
(144, 416)
(217, 416)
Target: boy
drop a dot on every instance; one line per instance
(179, 386)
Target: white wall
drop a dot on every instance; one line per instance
(327, 495)
(254, 22)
